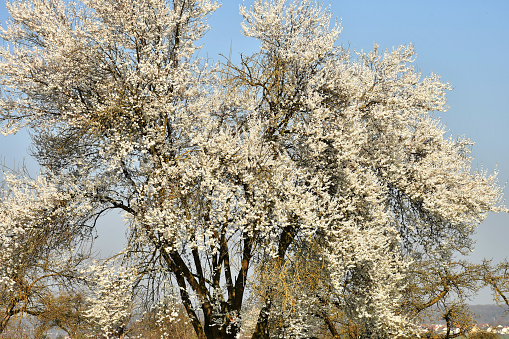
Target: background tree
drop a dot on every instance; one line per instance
(66, 310)
(497, 278)
(37, 259)
(442, 292)
(299, 146)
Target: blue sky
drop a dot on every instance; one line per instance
(466, 42)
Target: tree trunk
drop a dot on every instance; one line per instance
(262, 325)
(4, 322)
(6, 317)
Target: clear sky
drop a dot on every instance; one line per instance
(466, 42)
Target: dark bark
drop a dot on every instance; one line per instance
(330, 325)
(9, 312)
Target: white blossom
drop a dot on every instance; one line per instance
(219, 168)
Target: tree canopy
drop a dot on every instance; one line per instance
(303, 157)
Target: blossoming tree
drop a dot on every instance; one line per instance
(39, 250)
(219, 168)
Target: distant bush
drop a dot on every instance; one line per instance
(483, 335)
